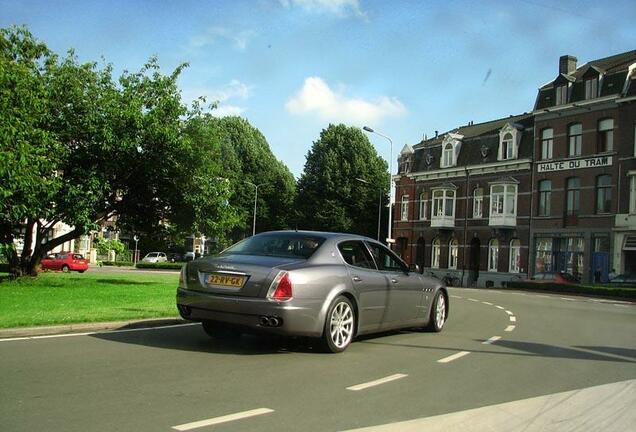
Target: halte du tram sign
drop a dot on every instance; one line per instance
(569, 164)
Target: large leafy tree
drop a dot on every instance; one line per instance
(342, 183)
(248, 160)
(77, 146)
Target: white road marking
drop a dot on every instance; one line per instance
(500, 307)
(487, 303)
(510, 328)
(491, 340)
(567, 298)
(95, 332)
(376, 382)
(513, 319)
(621, 305)
(453, 357)
(509, 313)
(222, 419)
(455, 296)
(473, 300)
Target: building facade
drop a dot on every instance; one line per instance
(463, 202)
(583, 153)
(553, 190)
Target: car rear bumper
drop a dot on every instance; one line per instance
(298, 317)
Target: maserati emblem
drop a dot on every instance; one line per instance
(484, 151)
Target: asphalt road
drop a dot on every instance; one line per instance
(497, 347)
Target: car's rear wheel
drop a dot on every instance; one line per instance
(65, 268)
(218, 330)
(438, 313)
(339, 325)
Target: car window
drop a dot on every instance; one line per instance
(538, 276)
(356, 254)
(385, 259)
(63, 257)
(152, 255)
(286, 244)
(78, 256)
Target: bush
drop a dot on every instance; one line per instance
(161, 265)
(605, 291)
(118, 263)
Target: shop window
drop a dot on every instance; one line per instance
(543, 255)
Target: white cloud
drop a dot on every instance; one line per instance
(234, 90)
(238, 39)
(316, 97)
(227, 110)
(341, 8)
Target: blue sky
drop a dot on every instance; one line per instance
(405, 68)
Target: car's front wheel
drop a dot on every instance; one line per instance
(438, 313)
(339, 325)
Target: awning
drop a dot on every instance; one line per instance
(630, 243)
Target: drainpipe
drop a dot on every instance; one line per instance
(465, 223)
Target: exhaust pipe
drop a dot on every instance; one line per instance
(274, 322)
(264, 321)
(270, 321)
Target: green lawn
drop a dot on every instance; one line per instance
(59, 298)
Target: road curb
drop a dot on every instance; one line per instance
(87, 327)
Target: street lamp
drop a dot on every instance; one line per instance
(368, 129)
(379, 203)
(255, 198)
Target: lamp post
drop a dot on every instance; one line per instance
(255, 198)
(389, 239)
(379, 202)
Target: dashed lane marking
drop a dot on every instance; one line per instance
(499, 307)
(377, 382)
(222, 419)
(473, 300)
(510, 328)
(453, 357)
(487, 303)
(509, 313)
(491, 340)
(513, 319)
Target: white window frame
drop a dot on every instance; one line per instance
(435, 253)
(493, 255)
(478, 203)
(440, 202)
(632, 193)
(453, 250)
(547, 142)
(404, 208)
(578, 141)
(561, 94)
(509, 137)
(591, 88)
(606, 126)
(447, 155)
(503, 204)
(514, 264)
(422, 215)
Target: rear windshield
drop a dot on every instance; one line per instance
(288, 245)
(78, 256)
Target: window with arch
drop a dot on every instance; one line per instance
(404, 208)
(573, 190)
(493, 255)
(547, 139)
(604, 194)
(478, 203)
(515, 256)
(545, 197)
(507, 147)
(605, 135)
(453, 249)
(447, 156)
(435, 253)
(423, 201)
(575, 134)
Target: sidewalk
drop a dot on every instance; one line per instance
(20, 332)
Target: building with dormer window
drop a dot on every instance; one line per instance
(585, 150)
(470, 199)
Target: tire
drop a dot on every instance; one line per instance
(220, 331)
(65, 268)
(81, 271)
(438, 313)
(339, 325)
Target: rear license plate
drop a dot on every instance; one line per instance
(227, 280)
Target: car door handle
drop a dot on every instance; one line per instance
(394, 280)
(356, 279)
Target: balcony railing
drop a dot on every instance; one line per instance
(442, 221)
(500, 220)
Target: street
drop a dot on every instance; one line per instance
(497, 347)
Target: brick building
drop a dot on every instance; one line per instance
(583, 153)
(553, 190)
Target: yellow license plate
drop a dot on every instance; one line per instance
(227, 280)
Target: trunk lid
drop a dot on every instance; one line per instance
(235, 275)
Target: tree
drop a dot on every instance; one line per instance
(77, 146)
(330, 196)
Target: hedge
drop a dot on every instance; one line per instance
(118, 263)
(160, 265)
(599, 290)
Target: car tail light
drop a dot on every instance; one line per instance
(281, 288)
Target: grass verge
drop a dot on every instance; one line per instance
(59, 298)
(626, 293)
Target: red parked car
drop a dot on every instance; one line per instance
(65, 261)
(554, 277)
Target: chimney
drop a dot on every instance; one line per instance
(567, 64)
(436, 132)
